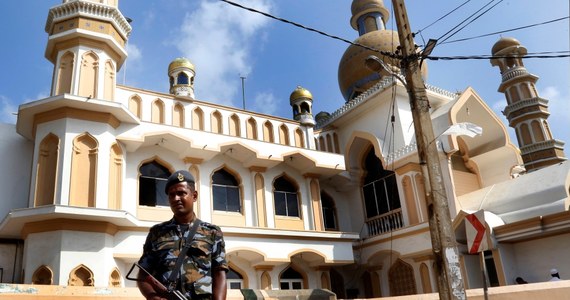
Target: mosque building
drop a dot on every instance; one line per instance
(311, 202)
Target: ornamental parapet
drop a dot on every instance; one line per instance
(88, 9)
(514, 72)
(545, 145)
(536, 101)
(380, 86)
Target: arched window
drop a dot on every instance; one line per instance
(537, 134)
(198, 119)
(83, 171)
(401, 279)
(234, 280)
(299, 138)
(115, 279)
(65, 74)
(81, 276)
(152, 181)
(182, 78)
(157, 112)
(268, 132)
(251, 129)
(382, 201)
(322, 143)
(336, 143)
(283, 135)
(88, 75)
(225, 191)
(135, 106)
(217, 122)
(47, 170)
(109, 81)
(305, 108)
(329, 212)
(115, 176)
(178, 115)
(285, 197)
(43, 275)
(329, 144)
(234, 126)
(291, 280)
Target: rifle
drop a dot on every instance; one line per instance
(172, 294)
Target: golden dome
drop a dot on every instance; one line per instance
(504, 43)
(354, 76)
(352, 71)
(361, 7)
(300, 92)
(180, 62)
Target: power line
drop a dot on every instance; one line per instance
(393, 55)
(538, 55)
(503, 31)
(442, 17)
(389, 54)
(441, 39)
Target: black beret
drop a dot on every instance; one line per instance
(177, 177)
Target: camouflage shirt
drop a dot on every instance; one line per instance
(206, 253)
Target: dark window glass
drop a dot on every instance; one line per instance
(280, 204)
(285, 197)
(297, 285)
(380, 189)
(290, 273)
(152, 182)
(329, 212)
(235, 285)
(233, 274)
(225, 192)
(182, 78)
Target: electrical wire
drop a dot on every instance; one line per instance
(393, 55)
(441, 18)
(442, 40)
(498, 56)
(503, 31)
(385, 53)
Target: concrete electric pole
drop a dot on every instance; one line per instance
(444, 246)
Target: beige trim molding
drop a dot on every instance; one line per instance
(69, 224)
(74, 113)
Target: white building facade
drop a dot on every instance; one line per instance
(336, 201)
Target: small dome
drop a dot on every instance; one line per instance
(361, 7)
(300, 92)
(323, 115)
(180, 62)
(504, 43)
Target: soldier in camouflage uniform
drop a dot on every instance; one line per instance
(203, 271)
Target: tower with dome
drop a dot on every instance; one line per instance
(329, 201)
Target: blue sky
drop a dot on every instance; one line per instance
(225, 42)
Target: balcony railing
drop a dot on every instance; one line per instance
(385, 223)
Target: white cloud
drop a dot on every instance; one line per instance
(135, 53)
(265, 103)
(218, 38)
(559, 108)
(7, 110)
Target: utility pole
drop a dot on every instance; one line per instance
(444, 246)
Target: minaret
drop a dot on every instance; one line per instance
(526, 111)
(181, 74)
(301, 101)
(87, 45)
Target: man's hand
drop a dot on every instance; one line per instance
(150, 288)
(219, 288)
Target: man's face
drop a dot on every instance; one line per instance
(181, 197)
